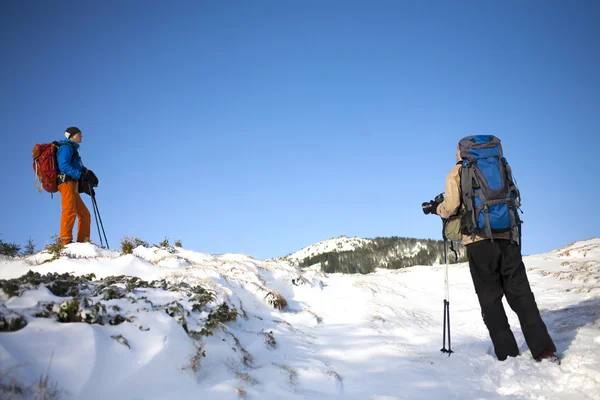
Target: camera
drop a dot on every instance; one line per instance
(427, 205)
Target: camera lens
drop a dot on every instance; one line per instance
(426, 208)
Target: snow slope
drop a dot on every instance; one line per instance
(373, 336)
(339, 244)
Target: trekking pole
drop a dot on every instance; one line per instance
(101, 224)
(98, 217)
(446, 304)
(520, 237)
(95, 215)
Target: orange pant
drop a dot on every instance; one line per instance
(73, 206)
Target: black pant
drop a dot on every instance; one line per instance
(497, 269)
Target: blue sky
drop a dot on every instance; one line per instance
(263, 127)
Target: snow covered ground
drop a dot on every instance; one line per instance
(297, 334)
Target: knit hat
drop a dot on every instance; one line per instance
(71, 131)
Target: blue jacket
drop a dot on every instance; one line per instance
(69, 164)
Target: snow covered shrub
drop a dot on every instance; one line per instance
(69, 311)
(62, 285)
(200, 298)
(128, 243)
(84, 299)
(55, 248)
(276, 300)
(113, 293)
(165, 245)
(219, 315)
(10, 321)
(10, 288)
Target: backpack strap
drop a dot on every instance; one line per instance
(75, 151)
(488, 224)
(512, 187)
(513, 191)
(467, 178)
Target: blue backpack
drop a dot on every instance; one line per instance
(489, 195)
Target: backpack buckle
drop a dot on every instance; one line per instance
(62, 178)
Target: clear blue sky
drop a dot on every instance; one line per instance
(263, 127)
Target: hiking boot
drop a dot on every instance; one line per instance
(549, 356)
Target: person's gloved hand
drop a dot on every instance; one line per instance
(434, 205)
(89, 177)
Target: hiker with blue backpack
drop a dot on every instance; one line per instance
(480, 209)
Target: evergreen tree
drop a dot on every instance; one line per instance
(392, 252)
(9, 249)
(29, 249)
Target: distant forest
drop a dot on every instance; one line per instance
(392, 252)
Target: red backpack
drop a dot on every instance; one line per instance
(45, 166)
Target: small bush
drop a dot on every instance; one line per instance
(129, 243)
(139, 242)
(126, 247)
(55, 248)
(69, 311)
(200, 298)
(276, 300)
(113, 293)
(117, 320)
(165, 245)
(134, 283)
(10, 288)
(9, 249)
(178, 243)
(219, 315)
(12, 322)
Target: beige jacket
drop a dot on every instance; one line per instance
(452, 201)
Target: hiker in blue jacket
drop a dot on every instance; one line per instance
(71, 170)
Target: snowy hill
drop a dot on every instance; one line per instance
(194, 325)
(357, 255)
(342, 243)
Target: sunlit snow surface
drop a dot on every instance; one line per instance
(375, 336)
